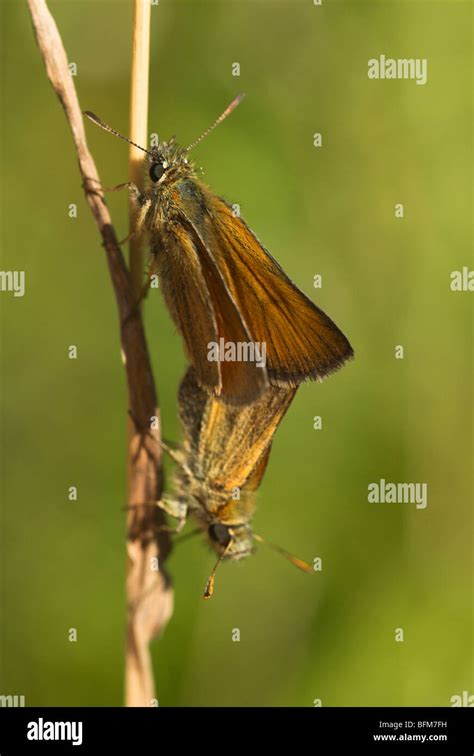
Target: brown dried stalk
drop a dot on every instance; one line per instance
(149, 595)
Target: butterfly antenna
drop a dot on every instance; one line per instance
(95, 119)
(291, 557)
(219, 120)
(210, 583)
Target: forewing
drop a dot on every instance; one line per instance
(240, 382)
(301, 340)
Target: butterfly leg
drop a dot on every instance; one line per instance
(127, 238)
(89, 189)
(102, 189)
(136, 196)
(143, 292)
(152, 267)
(177, 457)
(174, 508)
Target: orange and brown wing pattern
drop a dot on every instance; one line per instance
(301, 340)
(228, 442)
(185, 292)
(240, 382)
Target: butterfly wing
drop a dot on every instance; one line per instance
(185, 292)
(228, 447)
(301, 340)
(241, 510)
(202, 307)
(192, 402)
(228, 442)
(256, 476)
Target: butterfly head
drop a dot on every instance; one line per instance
(235, 540)
(168, 161)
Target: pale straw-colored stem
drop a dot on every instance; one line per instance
(138, 124)
(139, 682)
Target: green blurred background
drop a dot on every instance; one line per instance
(386, 282)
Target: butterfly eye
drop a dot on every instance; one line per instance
(156, 171)
(220, 534)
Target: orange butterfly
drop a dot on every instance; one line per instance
(221, 465)
(223, 287)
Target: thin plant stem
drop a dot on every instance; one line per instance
(139, 683)
(138, 125)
